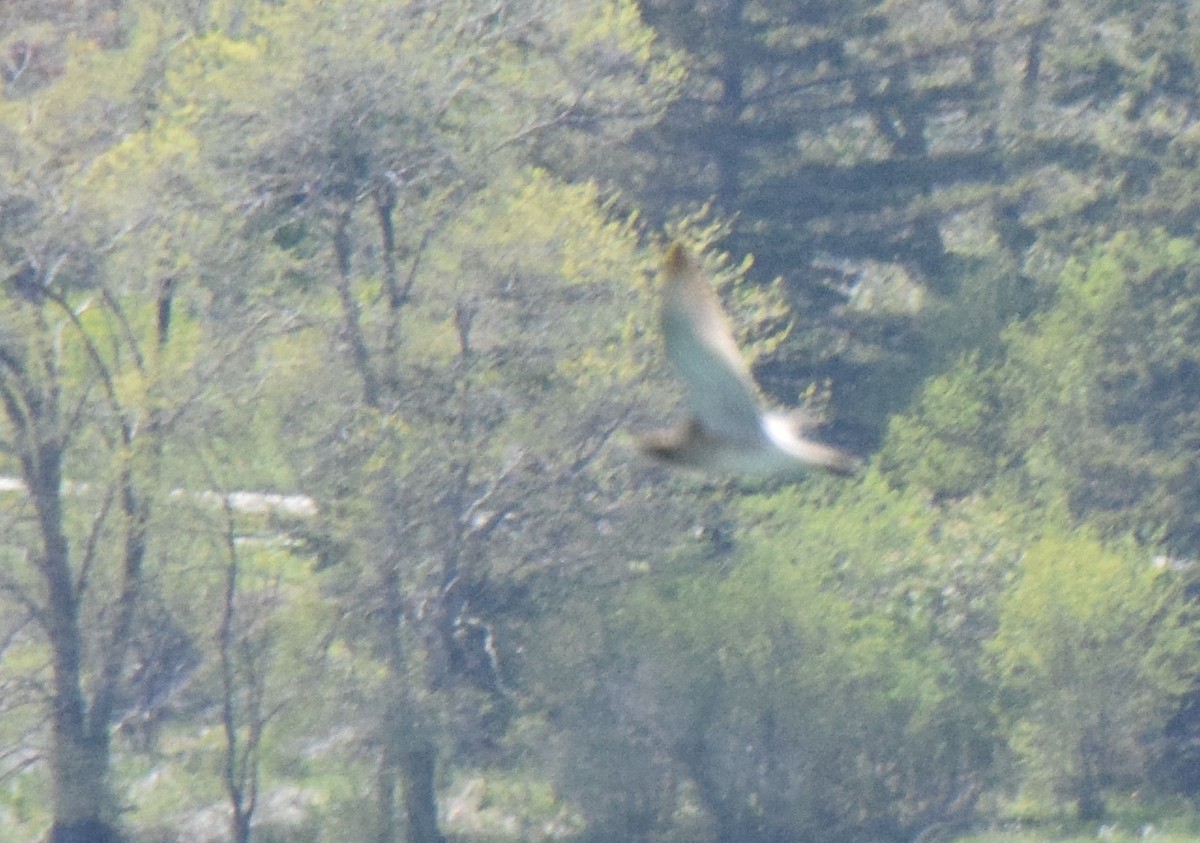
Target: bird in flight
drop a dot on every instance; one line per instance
(728, 431)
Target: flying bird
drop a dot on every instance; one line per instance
(728, 431)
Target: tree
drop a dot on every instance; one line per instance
(1097, 644)
(1084, 419)
(485, 498)
(918, 170)
(103, 358)
(391, 186)
(1087, 405)
(816, 676)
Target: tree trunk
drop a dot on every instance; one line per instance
(83, 807)
(413, 767)
(417, 767)
(79, 752)
(408, 757)
(89, 831)
(385, 800)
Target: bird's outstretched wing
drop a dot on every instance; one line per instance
(700, 343)
(728, 431)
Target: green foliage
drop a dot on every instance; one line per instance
(1084, 417)
(1098, 646)
(1102, 383)
(970, 149)
(481, 309)
(1087, 404)
(946, 446)
(23, 806)
(825, 685)
(364, 249)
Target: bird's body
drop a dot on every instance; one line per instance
(728, 432)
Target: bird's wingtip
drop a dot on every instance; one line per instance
(845, 465)
(678, 258)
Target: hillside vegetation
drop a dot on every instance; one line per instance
(324, 331)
